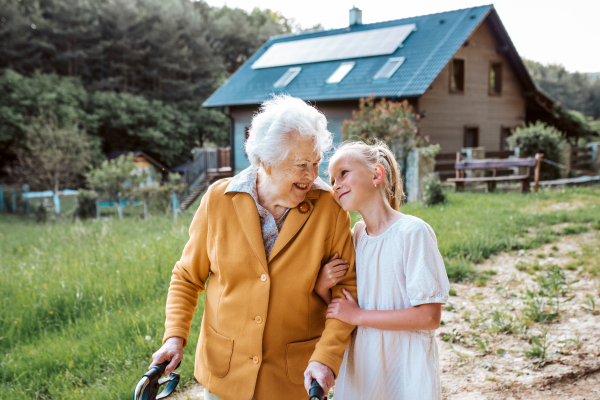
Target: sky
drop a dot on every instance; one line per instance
(549, 31)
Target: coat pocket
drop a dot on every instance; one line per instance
(217, 350)
(297, 355)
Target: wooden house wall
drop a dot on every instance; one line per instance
(449, 113)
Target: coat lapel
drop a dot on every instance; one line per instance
(245, 209)
(293, 223)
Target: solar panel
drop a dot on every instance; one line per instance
(287, 77)
(374, 42)
(341, 72)
(388, 69)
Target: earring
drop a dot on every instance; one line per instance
(375, 185)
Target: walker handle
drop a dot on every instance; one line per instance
(316, 391)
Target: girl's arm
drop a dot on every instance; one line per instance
(421, 317)
(329, 275)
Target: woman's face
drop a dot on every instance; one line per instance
(290, 180)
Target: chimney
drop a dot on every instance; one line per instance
(355, 16)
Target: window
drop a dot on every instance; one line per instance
(388, 69)
(471, 137)
(457, 76)
(341, 72)
(286, 78)
(495, 79)
(504, 135)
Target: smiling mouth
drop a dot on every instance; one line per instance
(343, 194)
(301, 186)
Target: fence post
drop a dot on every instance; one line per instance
(146, 206)
(175, 205)
(57, 205)
(120, 207)
(595, 157)
(2, 203)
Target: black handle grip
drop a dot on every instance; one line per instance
(316, 391)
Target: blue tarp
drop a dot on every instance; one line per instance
(49, 193)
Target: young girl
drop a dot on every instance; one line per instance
(401, 279)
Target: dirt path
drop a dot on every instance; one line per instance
(482, 357)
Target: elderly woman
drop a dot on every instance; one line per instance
(262, 237)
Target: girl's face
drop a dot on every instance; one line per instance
(353, 182)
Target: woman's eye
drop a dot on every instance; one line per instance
(344, 173)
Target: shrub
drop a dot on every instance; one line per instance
(432, 191)
(86, 204)
(539, 138)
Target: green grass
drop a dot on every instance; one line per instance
(62, 285)
(77, 302)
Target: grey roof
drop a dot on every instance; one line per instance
(427, 50)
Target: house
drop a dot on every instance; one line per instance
(458, 69)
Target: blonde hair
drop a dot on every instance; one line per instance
(377, 153)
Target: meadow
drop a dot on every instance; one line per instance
(82, 303)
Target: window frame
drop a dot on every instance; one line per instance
(465, 129)
(290, 74)
(398, 60)
(464, 78)
(491, 66)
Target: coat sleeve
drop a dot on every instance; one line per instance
(336, 336)
(189, 276)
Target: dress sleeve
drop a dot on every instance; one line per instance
(426, 278)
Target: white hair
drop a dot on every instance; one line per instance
(281, 121)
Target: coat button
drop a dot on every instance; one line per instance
(263, 277)
(255, 359)
(303, 207)
(258, 319)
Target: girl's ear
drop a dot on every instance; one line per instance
(379, 175)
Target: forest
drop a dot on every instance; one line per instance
(132, 75)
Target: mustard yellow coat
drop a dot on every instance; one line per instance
(262, 320)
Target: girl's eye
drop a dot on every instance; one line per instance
(344, 173)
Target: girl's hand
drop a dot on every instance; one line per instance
(331, 273)
(346, 310)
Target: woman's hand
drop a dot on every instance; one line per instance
(329, 275)
(322, 373)
(346, 310)
(172, 351)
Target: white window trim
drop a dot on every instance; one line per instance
(287, 77)
(398, 60)
(340, 73)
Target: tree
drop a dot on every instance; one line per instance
(574, 90)
(539, 138)
(394, 122)
(120, 175)
(53, 156)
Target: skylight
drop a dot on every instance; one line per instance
(372, 42)
(286, 78)
(341, 72)
(389, 68)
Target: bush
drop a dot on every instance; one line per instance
(86, 204)
(539, 138)
(432, 191)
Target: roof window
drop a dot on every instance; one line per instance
(286, 78)
(389, 68)
(341, 72)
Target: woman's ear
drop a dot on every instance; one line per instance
(265, 168)
(379, 175)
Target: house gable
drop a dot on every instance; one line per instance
(450, 114)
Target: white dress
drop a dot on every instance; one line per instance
(398, 269)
